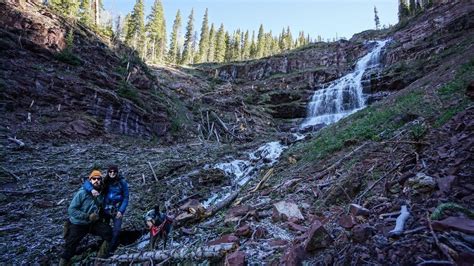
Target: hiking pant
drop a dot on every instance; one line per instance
(77, 232)
(116, 226)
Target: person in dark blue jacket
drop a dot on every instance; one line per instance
(115, 201)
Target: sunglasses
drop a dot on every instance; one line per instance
(96, 178)
(111, 171)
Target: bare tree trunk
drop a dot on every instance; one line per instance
(153, 50)
(182, 253)
(97, 11)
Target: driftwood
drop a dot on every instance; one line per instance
(201, 252)
(222, 204)
(20, 143)
(401, 220)
(153, 171)
(223, 125)
(264, 179)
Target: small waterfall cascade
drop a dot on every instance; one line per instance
(343, 96)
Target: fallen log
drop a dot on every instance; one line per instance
(153, 171)
(400, 223)
(201, 252)
(264, 179)
(20, 143)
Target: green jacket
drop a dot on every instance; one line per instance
(82, 205)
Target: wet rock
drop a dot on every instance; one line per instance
(357, 210)
(347, 221)
(362, 232)
(456, 223)
(260, 232)
(421, 183)
(318, 237)
(244, 231)
(296, 227)
(277, 242)
(236, 258)
(236, 213)
(293, 255)
(211, 177)
(284, 210)
(229, 238)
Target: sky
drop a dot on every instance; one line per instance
(327, 18)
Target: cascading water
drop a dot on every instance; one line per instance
(343, 96)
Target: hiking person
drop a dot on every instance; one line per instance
(115, 201)
(160, 226)
(84, 218)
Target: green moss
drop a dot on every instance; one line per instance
(442, 208)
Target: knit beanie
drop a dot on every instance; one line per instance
(95, 173)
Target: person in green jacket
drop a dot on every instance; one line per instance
(84, 218)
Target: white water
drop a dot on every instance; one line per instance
(343, 96)
(241, 171)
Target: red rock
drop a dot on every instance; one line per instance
(445, 183)
(293, 255)
(362, 232)
(260, 232)
(357, 210)
(296, 227)
(235, 213)
(456, 223)
(243, 231)
(236, 258)
(277, 242)
(229, 238)
(347, 221)
(318, 237)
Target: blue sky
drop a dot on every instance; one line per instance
(316, 17)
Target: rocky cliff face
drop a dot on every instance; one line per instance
(51, 90)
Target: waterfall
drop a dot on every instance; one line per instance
(343, 96)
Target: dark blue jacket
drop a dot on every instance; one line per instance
(116, 193)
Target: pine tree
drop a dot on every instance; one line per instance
(125, 28)
(156, 29)
(236, 46)
(173, 53)
(302, 39)
(188, 40)
(195, 49)
(67, 8)
(268, 44)
(136, 28)
(85, 12)
(212, 44)
(403, 11)
(376, 18)
(412, 7)
(220, 45)
(281, 40)
(204, 40)
(260, 42)
(289, 38)
(253, 47)
(228, 47)
(246, 49)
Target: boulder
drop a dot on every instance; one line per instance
(284, 210)
(260, 232)
(362, 232)
(296, 227)
(244, 231)
(421, 183)
(293, 255)
(347, 221)
(236, 258)
(357, 210)
(318, 237)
